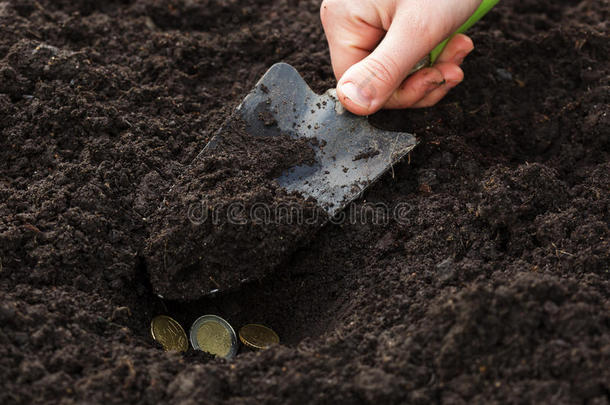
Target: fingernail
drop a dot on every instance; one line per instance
(459, 57)
(357, 95)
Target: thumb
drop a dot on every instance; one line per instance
(419, 26)
(366, 86)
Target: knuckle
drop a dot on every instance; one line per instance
(387, 71)
(429, 34)
(326, 8)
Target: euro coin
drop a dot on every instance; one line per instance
(258, 336)
(214, 335)
(169, 333)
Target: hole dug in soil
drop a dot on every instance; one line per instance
(297, 304)
(493, 288)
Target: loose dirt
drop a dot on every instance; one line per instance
(489, 281)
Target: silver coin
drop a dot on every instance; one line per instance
(214, 335)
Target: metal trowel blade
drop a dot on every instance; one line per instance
(350, 153)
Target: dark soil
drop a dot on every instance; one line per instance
(490, 283)
(226, 220)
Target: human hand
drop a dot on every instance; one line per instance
(374, 44)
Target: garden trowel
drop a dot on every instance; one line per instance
(190, 256)
(350, 153)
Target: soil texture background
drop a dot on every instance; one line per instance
(489, 283)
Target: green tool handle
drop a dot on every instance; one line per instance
(483, 9)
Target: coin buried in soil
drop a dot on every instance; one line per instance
(169, 333)
(212, 334)
(258, 336)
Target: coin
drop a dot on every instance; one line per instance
(212, 334)
(169, 333)
(258, 336)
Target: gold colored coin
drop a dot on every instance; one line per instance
(169, 333)
(212, 334)
(258, 336)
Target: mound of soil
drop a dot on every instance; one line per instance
(226, 221)
(490, 281)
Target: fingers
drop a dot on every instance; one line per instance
(456, 50)
(415, 88)
(448, 63)
(366, 86)
(350, 39)
(374, 44)
(453, 76)
(428, 86)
